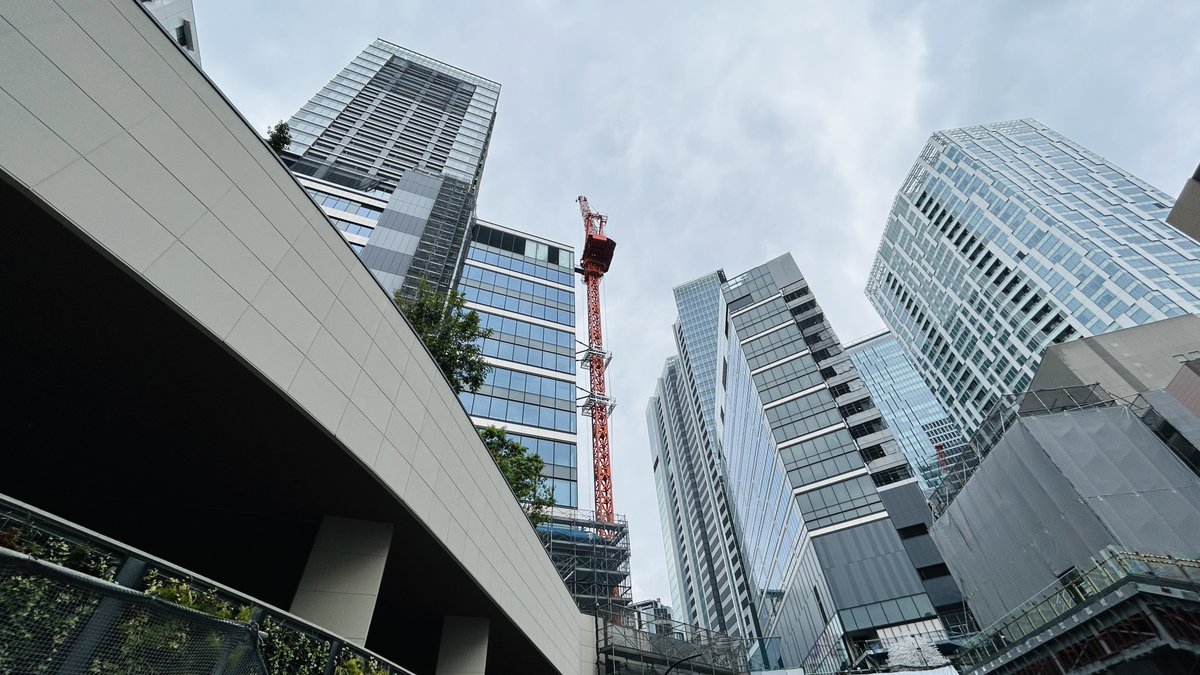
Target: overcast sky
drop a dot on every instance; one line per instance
(720, 135)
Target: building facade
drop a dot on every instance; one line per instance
(1006, 238)
(392, 149)
(925, 433)
(817, 511)
(1075, 488)
(704, 565)
(522, 287)
(178, 19)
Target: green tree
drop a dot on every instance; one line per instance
(279, 136)
(451, 333)
(523, 471)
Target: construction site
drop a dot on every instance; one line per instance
(591, 555)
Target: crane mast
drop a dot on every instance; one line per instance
(597, 255)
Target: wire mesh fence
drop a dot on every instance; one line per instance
(55, 620)
(72, 601)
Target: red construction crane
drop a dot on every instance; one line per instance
(597, 255)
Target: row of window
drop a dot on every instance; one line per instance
(834, 466)
(839, 502)
(800, 408)
(352, 228)
(515, 243)
(341, 204)
(500, 282)
(551, 452)
(520, 264)
(517, 305)
(503, 410)
(528, 355)
(817, 449)
(787, 379)
(773, 347)
(760, 318)
(566, 492)
(503, 378)
(538, 336)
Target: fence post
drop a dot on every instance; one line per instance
(331, 663)
(108, 610)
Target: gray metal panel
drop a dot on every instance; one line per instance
(942, 591)
(1016, 525)
(923, 551)
(866, 564)
(1141, 491)
(784, 270)
(906, 505)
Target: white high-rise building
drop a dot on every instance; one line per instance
(1006, 238)
(392, 149)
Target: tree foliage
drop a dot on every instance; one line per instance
(279, 136)
(523, 471)
(451, 333)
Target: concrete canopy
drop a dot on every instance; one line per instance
(199, 365)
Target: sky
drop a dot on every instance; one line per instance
(718, 135)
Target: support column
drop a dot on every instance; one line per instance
(463, 650)
(341, 580)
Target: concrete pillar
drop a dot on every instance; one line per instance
(342, 578)
(463, 650)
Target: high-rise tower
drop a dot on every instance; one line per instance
(1006, 238)
(393, 150)
(787, 509)
(522, 287)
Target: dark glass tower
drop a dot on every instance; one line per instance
(393, 150)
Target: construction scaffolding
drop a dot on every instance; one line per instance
(643, 642)
(591, 556)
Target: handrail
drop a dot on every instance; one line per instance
(1113, 568)
(17, 515)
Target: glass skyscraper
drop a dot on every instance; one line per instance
(1006, 238)
(523, 289)
(785, 502)
(393, 150)
(926, 435)
(704, 566)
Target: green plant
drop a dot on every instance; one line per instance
(34, 608)
(151, 640)
(187, 595)
(523, 471)
(451, 333)
(72, 555)
(287, 650)
(38, 610)
(354, 664)
(279, 136)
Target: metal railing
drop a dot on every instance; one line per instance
(665, 641)
(73, 600)
(1075, 591)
